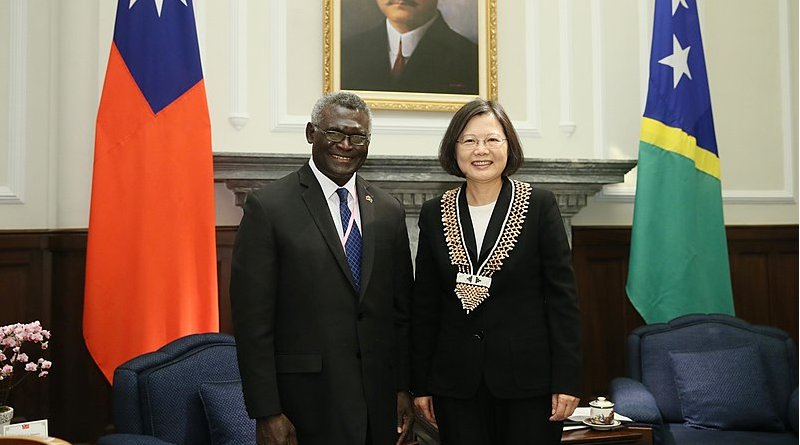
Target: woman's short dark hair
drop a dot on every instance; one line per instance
(447, 149)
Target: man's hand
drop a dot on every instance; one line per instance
(275, 430)
(563, 406)
(405, 417)
(425, 406)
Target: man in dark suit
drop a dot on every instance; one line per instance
(320, 291)
(413, 51)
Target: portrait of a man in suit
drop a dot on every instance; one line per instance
(412, 49)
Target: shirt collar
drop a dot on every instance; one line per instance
(328, 186)
(410, 39)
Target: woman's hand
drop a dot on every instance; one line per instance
(563, 406)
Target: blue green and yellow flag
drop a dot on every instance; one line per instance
(679, 254)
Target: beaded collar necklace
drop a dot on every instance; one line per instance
(473, 283)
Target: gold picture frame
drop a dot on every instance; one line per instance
(360, 18)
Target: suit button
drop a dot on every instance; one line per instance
(479, 336)
(358, 355)
(360, 316)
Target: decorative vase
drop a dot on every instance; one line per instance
(6, 414)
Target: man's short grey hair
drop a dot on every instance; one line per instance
(341, 98)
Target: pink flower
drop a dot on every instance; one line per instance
(15, 348)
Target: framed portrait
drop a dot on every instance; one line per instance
(431, 55)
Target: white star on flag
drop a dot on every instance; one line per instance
(678, 60)
(159, 4)
(675, 4)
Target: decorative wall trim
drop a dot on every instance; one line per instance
(645, 31)
(789, 192)
(200, 20)
(532, 126)
(565, 12)
(413, 180)
(238, 116)
(14, 191)
(598, 96)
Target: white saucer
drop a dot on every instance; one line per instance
(598, 426)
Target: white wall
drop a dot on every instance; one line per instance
(572, 73)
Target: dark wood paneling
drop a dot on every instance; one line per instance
(225, 239)
(42, 277)
(764, 277)
(24, 297)
(600, 257)
(71, 402)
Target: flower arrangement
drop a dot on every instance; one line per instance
(15, 363)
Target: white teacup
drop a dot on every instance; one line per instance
(601, 411)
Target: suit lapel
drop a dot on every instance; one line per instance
(367, 209)
(318, 208)
(497, 219)
(467, 231)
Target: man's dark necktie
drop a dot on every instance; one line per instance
(352, 245)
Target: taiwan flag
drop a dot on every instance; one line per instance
(151, 255)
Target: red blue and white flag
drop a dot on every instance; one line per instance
(151, 255)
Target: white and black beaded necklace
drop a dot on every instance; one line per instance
(472, 284)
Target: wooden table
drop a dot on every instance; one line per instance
(635, 435)
(428, 434)
(31, 440)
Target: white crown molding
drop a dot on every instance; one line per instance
(565, 11)
(238, 116)
(14, 191)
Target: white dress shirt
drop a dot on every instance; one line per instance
(410, 39)
(329, 192)
(480, 222)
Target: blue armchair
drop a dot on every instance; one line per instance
(711, 379)
(186, 393)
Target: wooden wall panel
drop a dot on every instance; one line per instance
(600, 257)
(42, 275)
(764, 277)
(225, 239)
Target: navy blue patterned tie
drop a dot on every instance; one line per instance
(352, 245)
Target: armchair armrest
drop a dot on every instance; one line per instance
(791, 412)
(632, 399)
(131, 439)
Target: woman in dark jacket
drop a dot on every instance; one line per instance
(495, 319)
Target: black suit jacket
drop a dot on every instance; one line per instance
(443, 62)
(309, 345)
(524, 340)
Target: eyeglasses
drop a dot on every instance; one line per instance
(338, 136)
(472, 142)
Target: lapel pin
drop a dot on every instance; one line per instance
(368, 198)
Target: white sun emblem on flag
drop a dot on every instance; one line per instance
(159, 4)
